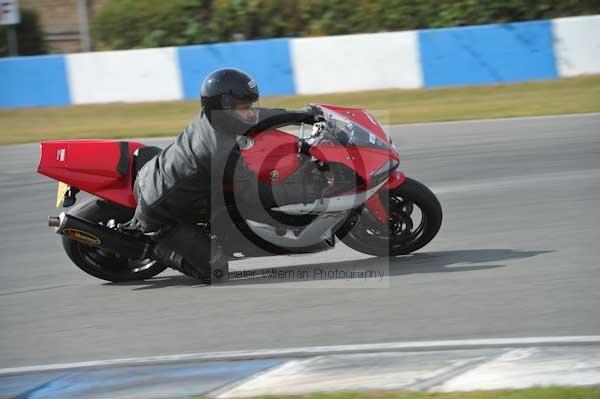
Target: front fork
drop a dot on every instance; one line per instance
(375, 205)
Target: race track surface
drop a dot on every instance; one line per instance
(517, 256)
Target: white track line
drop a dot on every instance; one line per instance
(414, 346)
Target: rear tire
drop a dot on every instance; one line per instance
(363, 233)
(104, 264)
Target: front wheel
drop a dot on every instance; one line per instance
(415, 217)
(99, 262)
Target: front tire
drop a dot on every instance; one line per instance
(100, 263)
(406, 231)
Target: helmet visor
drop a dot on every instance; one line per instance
(242, 110)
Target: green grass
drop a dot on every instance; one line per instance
(531, 393)
(118, 120)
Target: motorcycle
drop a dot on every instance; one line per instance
(357, 195)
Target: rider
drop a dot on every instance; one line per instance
(174, 188)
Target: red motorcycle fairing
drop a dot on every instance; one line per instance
(375, 205)
(273, 156)
(364, 161)
(362, 117)
(99, 167)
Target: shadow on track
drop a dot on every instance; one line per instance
(425, 262)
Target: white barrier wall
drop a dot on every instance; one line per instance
(577, 45)
(128, 76)
(356, 62)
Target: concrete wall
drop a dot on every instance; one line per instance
(577, 45)
(356, 62)
(267, 61)
(485, 54)
(33, 82)
(129, 76)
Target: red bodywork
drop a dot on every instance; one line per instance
(99, 167)
(104, 167)
(276, 151)
(273, 150)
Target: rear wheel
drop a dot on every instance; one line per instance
(99, 262)
(415, 217)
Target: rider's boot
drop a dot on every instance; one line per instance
(193, 253)
(186, 249)
(174, 260)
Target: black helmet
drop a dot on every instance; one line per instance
(226, 88)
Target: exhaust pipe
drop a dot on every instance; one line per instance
(96, 234)
(53, 221)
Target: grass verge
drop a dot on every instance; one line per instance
(531, 393)
(118, 120)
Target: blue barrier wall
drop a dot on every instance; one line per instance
(444, 57)
(487, 54)
(33, 81)
(267, 61)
